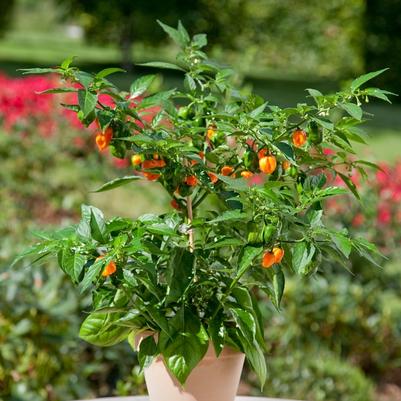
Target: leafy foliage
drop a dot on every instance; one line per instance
(190, 275)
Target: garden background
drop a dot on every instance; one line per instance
(339, 335)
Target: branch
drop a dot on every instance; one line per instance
(190, 218)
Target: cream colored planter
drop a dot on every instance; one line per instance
(214, 379)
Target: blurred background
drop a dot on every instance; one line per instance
(339, 335)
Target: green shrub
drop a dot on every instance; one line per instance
(358, 322)
(316, 375)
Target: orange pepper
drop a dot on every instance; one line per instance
(299, 137)
(213, 177)
(262, 153)
(268, 260)
(267, 164)
(278, 254)
(147, 164)
(286, 165)
(191, 180)
(246, 174)
(175, 204)
(136, 160)
(109, 269)
(227, 170)
(151, 176)
(211, 131)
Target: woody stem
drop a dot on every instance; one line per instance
(190, 231)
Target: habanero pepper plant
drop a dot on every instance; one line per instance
(192, 275)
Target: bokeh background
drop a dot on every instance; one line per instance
(339, 335)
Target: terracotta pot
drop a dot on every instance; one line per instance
(214, 379)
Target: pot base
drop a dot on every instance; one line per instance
(214, 379)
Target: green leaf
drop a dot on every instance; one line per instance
(348, 182)
(248, 256)
(108, 71)
(259, 110)
(183, 32)
(189, 82)
(117, 182)
(161, 229)
(84, 78)
(254, 354)
(356, 83)
(342, 242)
(217, 332)
(157, 99)
(100, 329)
(67, 62)
(180, 274)
(369, 164)
(183, 354)
(161, 64)
(379, 93)
(93, 273)
(57, 90)
(147, 351)
(72, 264)
(302, 254)
(159, 319)
(141, 85)
(224, 242)
(30, 71)
(287, 150)
(200, 40)
(87, 101)
(324, 123)
(367, 250)
(314, 92)
(353, 110)
(179, 36)
(237, 184)
(229, 215)
(245, 322)
(278, 286)
(98, 225)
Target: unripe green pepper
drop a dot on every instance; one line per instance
(255, 235)
(293, 172)
(315, 134)
(250, 160)
(268, 232)
(183, 112)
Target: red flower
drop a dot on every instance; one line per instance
(383, 215)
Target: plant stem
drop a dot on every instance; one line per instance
(190, 218)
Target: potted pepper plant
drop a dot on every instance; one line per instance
(247, 182)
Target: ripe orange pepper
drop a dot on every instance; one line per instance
(299, 137)
(262, 153)
(213, 177)
(109, 269)
(136, 160)
(174, 204)
(278, 254)
(286, 165)
(101, 142)
(227, 170)
(246, 174)
(147, 164)
(103, 139)
(267, 164)
(151, 176)
(191, 180)
(268, 260)
(211, 131)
